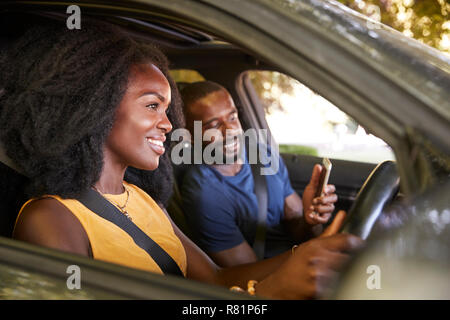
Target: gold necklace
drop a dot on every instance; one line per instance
(121, 208)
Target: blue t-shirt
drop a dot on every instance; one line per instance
(223, 211)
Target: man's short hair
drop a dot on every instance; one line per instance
(195, 91)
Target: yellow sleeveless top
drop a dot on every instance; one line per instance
(110, 243)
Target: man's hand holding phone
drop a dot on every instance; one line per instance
(319, 196)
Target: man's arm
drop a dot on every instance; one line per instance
(239, 254)
(304, 274)
(212, 216)
(295, 222)
(201, 267)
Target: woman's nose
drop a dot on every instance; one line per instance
(165, 123)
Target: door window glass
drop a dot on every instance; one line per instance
(303, 122)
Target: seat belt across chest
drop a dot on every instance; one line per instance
(95, 202)
(260, 189)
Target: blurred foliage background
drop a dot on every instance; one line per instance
(424, 20)
(298, 149)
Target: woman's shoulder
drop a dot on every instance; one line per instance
(42, 209)
(46, 221)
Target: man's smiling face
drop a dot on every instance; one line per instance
(217, 111)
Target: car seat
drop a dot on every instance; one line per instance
(12, 197)
(175, 205)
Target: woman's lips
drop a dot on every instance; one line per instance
(156, 145)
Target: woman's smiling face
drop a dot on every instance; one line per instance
(141, 124)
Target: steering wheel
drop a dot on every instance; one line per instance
(379, 189)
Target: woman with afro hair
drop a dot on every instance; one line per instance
(92, 109)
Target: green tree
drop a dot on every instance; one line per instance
(269, 85)
(424, 20)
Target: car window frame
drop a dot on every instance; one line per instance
(117, 280)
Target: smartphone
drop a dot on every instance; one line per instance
(323, 181)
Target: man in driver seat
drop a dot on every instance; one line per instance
(219, 199)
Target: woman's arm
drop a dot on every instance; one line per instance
(303, 274)
(299, 275)
(47, 222)
(200, 267)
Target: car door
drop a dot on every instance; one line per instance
(32, 272)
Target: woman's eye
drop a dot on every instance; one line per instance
(152, 105)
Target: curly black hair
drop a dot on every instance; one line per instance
(59, 90)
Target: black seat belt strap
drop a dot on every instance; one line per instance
(260, 189)
(105, 209)
(261, 196)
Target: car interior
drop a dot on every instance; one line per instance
(188, 50)
(212, 59)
